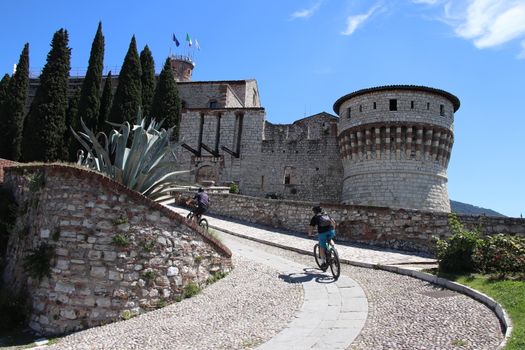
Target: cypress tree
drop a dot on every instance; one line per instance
(89, 103)
(166, 103)
(127, 100)
(4, 83)
(14, 108)
(105, 104)
(148, 80)
(46, 122)
(73, 121)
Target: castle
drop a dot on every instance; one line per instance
(387, 146)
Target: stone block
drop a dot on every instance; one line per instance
(114, 275)
(110, 255)
(64, 287)
(103, 302)
(94, 254)
(69, 314)
(98, 272)
(44, 233)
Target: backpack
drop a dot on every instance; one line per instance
(325, 220)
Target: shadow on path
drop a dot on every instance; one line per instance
(309, 274)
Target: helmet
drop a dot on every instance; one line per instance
(201, 189)
(317, 209)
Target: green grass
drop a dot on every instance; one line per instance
(508, 293)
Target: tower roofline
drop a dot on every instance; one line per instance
(452, 98)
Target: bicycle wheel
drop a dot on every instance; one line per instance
(335, 266)
(317, 255)
(203, 223)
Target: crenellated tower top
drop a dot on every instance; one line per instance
(182, 67)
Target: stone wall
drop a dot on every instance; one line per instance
(301, 160)
(113, 252)
(378, 226)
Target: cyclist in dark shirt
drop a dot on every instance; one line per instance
(202, 202)
(326, 231)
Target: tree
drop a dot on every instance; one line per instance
(14, 109)
(166, 103)
(89, 103)
(72, 121)
(148, 80)
(105, 104)
(4, 83)
(127, 100)
(46, 122)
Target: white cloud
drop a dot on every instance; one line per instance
(487, 23)
(306, 13)
(353, 22)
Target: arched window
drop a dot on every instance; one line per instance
(213, 104)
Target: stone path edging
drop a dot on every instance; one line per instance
(481, 297)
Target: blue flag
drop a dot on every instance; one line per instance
(175, 40)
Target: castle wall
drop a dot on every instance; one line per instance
(113, 253)
(302, 160)
(405, 229)
(396, 158)
(237, 130)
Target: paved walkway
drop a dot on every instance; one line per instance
(365, 256)
(333, 312)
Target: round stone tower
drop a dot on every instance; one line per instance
(395, 143)
(182, 67)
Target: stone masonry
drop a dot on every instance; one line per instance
(395, 144)
(114, 253)
(405, 229)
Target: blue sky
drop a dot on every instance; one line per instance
(305, 54)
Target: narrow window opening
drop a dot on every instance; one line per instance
(375, 105)
(428, 106)
(349, 112)
(441, 110)
(411, 104)
(360, 108)
(214, 104)
(287, 179)
(393, 104)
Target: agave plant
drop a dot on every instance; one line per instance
(144, 167)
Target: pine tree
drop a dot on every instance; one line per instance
(46, 122)
(166, 103)
(105, 104)
(148, 80)
(127, 100)
(73, 121)
(89, 103)
(14, 109)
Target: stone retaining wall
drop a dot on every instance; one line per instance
(113, 252)
(411, 230)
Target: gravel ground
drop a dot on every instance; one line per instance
(243, 310)
(407, 313)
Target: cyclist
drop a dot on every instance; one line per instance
(201, 201)
(326, 231)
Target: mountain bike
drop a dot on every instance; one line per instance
(203, 223)
(332, 258)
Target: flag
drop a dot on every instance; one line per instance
(188, 39)
(175, 40)
(197, 46)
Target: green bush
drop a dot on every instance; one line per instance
(191, 289)
(38, 262)
(234, 188)
(455, 253)
(500, 254)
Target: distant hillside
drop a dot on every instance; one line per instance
(464, 208)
